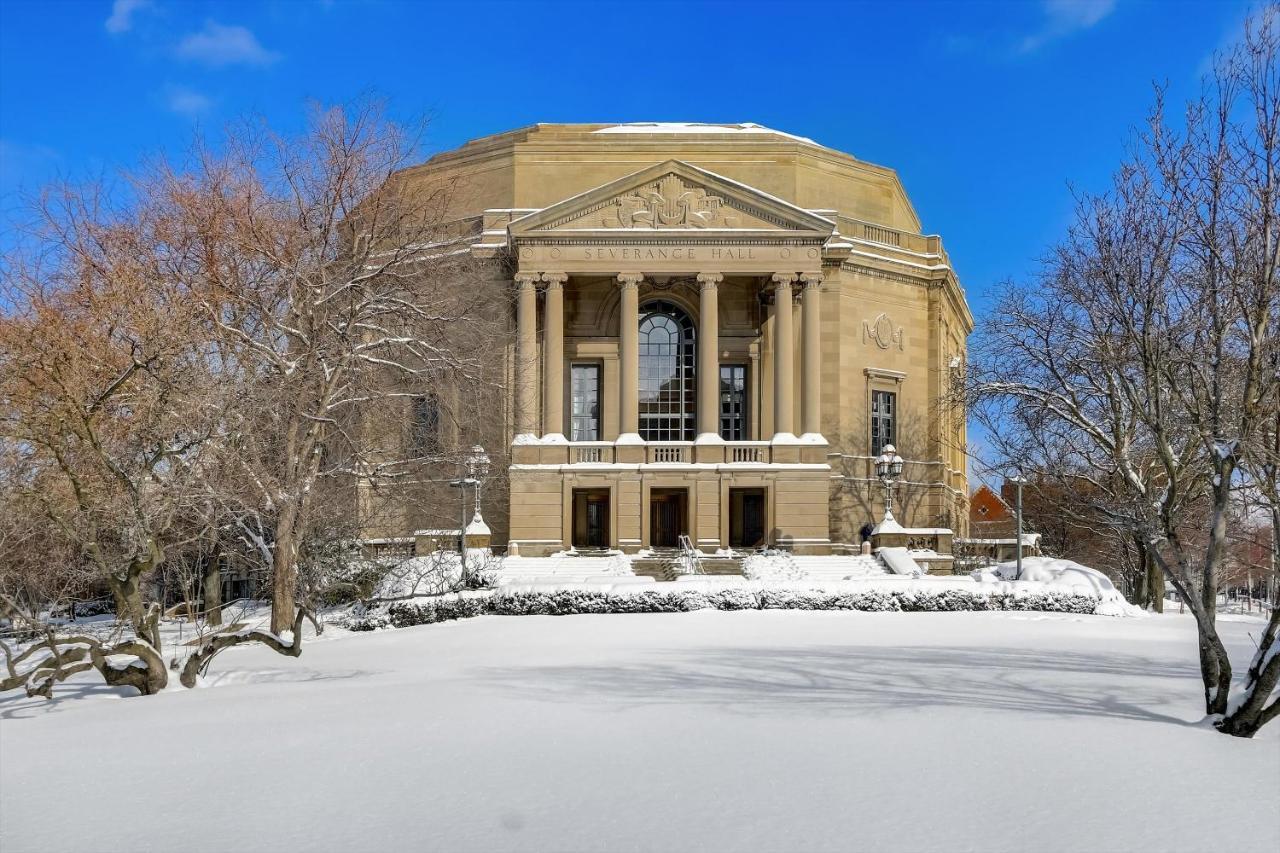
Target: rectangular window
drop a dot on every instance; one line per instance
(424, 426)
(733, 402)
(884, 406)
(585, 418)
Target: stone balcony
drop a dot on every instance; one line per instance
(667, 453)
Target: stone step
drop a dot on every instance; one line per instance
(721, 566)
(653, 567)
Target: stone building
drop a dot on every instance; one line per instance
(714, 330)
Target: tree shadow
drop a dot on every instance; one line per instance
(72, 692)
(850, 681)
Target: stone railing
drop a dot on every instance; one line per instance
(872, 232)
(591, 452)
(674, 452)
(747, 451)
(657, 452)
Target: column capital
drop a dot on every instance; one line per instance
(783, 279)
(554, 280)
(709, 280)
(811, 279)
(526, 280)
(630, 279)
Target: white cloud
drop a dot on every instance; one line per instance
(1064, 18)
(187, 102)
(122, 12)
(222, 44)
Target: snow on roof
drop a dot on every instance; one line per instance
(697, 127)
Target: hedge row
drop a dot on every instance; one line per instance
(569, 602)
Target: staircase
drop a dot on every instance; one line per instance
(839, 568)
(663, 565)
(562, 568)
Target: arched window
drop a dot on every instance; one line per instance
(667, 371)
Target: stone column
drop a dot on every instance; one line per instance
(784, 346)
(629, 357)
(553, 357)
(526, 354)
(811, 355)
(709, 357)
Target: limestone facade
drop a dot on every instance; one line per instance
(711, 327)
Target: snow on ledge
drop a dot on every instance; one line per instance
(698, 127)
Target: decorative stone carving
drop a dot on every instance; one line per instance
(669, 203)
(882, 331)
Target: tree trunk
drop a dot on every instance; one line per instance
(1253, 713)
(284, 575)
(213, 590)
(1141, 578)
(128, 597)
(1155, 585)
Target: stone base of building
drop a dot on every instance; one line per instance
(666, 493)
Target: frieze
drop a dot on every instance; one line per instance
(656, 258)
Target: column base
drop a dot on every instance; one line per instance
(708, 438)
(813, 438)
(784, 438)
(629, 438)
(554, 438)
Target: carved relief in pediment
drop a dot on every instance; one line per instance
(669, 202)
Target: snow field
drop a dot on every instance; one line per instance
(755, 730)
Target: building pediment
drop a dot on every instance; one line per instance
(668, 197)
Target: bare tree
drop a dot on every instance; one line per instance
(1143, 366)
(103, 389)
(334, 290)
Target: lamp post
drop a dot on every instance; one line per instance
(475, 467)
(889, 470)
(1019, 481)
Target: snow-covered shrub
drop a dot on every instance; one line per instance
(732, 598)
(1068, 577)
(403, 614)
(371, 620)
(572, 601)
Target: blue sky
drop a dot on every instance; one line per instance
(989, 111)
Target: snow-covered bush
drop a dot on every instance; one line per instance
(1067, 577)
(576, 601)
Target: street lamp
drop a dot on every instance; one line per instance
(889, 470)
(1019, 481)
(475, 467)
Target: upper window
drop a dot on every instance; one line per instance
(585, 417)
(733, 402)
(667, 371)
(884, 412)
(424, 425)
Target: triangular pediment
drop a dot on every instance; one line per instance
(672, 196)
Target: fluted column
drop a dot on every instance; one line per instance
(526, 354)
(709, 356)
(811, 355)
(629, 357)
(783, 353)
(553, 356)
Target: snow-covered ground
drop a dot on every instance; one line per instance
(755, 730)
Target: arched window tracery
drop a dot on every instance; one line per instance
(668, 371)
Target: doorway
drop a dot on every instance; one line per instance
(668, 517)
(746, 518)
(591, 518)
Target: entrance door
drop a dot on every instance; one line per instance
(746, 518)
(591, 518)
(667, 517)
